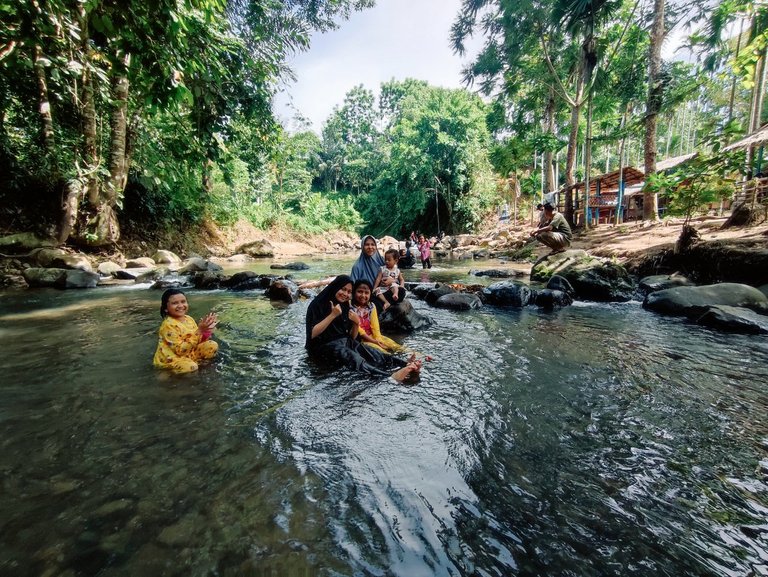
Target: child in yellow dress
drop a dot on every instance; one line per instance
(182, 343)
(369, 332)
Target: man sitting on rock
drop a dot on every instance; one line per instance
(553, 230)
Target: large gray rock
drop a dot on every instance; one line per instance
(248, 280)
(592, 278)
(258, 249)
(659, 282)
(108, 268)
(432, 295)
(459, 302)
(283, 290)
(132, 273)
(77, 279)
(402, 318)
(37, 277)
(60, 278)
(198, 264)
(734, 320)
(290, 266)
(58, 258)
(141, 262)
(550, 299)
(420, 290)
(507, 293)
(166, 257)
(693, 301)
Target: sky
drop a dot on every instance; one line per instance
(396, 39)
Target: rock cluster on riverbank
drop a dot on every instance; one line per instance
(591, 270)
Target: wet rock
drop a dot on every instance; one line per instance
(497, 273)
(167, 283)
(133, 273)
(432, 295)
(291, 266)
(77, 279)
(198, 264)
(734, 320)
(108, 268)
(141, 262)
(283, 290)
(248, 280)
(551, 299)
(559, 283)
(693, 301)
(592, 278)
(258, 249)
(208, 280)
(57, 258)
(402, 318)
(459, 302)
(659, 282)
(166, 257)
(420, 290)
(42, 277)
(152, 275)
(507, 293)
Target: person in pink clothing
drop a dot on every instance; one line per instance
(424, 252)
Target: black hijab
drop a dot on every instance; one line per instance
(320, 307)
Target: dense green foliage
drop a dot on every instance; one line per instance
(130, 115)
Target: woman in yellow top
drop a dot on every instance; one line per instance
(182, 342)
(369, 332)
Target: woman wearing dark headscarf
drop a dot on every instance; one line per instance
(367, 267)
(331, 330)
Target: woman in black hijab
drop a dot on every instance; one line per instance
(331, 329)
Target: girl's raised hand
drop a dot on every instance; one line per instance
(335, 309)
(354, 317)
(208, 322)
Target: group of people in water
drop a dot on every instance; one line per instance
(342, 324)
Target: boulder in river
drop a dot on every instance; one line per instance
(734, 320)
(693, 301)
(283, 290)
(507, 293)
(459, 302)
(402, 318)
(592, 278)
(659, 282)
(550, 299)
(258, 249)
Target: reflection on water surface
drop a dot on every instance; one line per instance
(595, 440)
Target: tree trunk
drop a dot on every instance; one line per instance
(570, 157)
(650, 200)
(118, 170)
(549, 129)
(90, 153)
(46, 116)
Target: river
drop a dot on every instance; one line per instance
(599, 439)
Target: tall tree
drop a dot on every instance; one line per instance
(653, 105)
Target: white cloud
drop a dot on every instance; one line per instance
(396, 39)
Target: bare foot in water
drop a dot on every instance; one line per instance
(409, 373)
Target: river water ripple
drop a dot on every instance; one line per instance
(594, 440)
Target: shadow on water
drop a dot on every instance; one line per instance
(595, 440)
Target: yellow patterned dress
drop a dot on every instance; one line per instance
(180, 345)
(369, 324)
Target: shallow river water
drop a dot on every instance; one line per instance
(594, 440)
